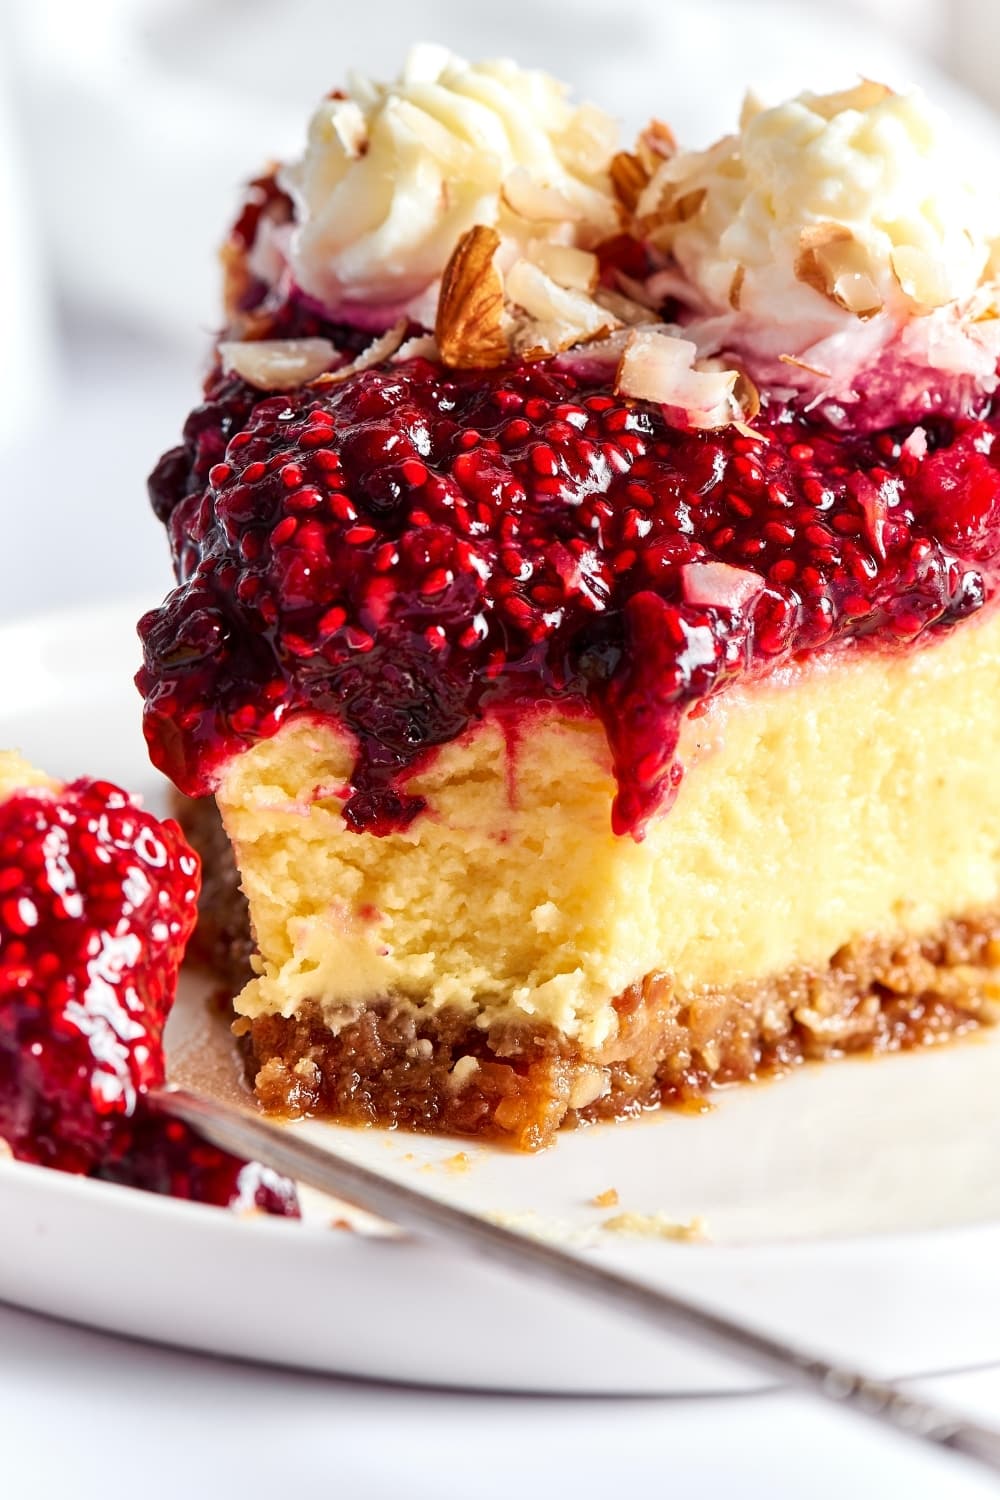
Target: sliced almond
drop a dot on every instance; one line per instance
(469, 325)
(376, 354)
(277, 364)
(628, 178)
(747, 396)
(836, 265)
(736, 287)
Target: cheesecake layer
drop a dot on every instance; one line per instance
(17, 774)
(520, 1082)
(848, 798)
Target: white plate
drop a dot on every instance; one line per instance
(854, 1207)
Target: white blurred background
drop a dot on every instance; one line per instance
(127, 125)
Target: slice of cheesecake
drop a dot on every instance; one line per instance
(597, 673)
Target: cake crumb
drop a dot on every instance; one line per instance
(460, 1162)
(607, 1199)
(556, 1231)
(658, 1226)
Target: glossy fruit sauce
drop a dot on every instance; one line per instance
(97, 901)
(410, 549)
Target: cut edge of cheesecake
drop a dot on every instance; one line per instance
(828, 880)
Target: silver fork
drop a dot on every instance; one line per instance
(247, 1135)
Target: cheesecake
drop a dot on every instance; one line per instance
(97, 901)
(584, 623)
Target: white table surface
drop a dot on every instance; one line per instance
(87, 1415)
(99, 1418)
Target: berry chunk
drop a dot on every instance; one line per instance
(97, 901)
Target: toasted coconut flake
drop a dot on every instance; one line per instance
(347, 121)
(577, 270)
(530, 199)
(237, 280)
(592, 136)
(601, 353)
(560, 317)
(656, 366)
(916, 444)
(863, 96)
(836, 265)
(658, 139)
(628, 178)
(627, 311)
(277, 364)
(635, 290)
(751, 107)
(874, 501)
(469, 326)
(736, 287)
(718, 585)
(920, 277)
(376, 354)
(670, 283)
(678, 177)
(671, 208)
(801, 364)
(745, 430)
(421, 346)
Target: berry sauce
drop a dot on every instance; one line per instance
(97, 902)
(413, 548)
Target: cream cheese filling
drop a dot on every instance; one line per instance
(18, 774)
(853, 796)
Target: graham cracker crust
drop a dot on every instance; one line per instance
(521, 1084)
(396, 1065)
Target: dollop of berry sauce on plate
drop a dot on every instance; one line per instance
(415, 547)
(97, 901)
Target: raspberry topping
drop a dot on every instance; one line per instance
(97, 901)
(414, 547)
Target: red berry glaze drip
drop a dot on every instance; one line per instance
(415, 547)
(97, 902)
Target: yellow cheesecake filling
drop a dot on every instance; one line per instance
(17, 774)
(849, 796)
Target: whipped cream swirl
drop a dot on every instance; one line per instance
(393, 175)
(840, 246)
